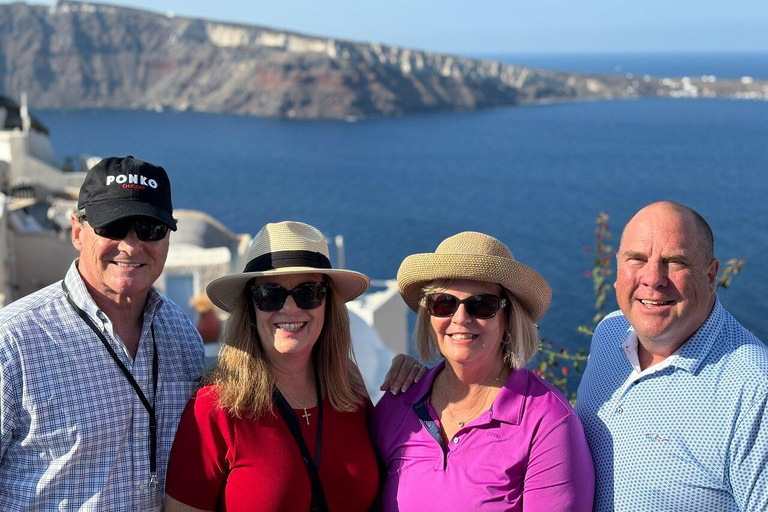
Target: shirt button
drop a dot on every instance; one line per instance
(140, 436)
(619, 410)
(455, 440)
(142, 487)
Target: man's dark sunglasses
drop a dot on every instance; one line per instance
(147, 230)
(478, 306)
(271, 297)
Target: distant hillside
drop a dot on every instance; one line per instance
(85, 55)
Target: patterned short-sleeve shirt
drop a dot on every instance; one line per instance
(73, 433)
(691, 436)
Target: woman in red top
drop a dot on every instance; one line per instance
(280, 424)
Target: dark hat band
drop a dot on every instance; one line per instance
(282, 259)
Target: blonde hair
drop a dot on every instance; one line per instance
(243, 375)
(520, 340)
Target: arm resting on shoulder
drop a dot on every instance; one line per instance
(404, 372)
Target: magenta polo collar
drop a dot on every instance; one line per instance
(507, 407)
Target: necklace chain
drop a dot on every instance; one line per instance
(482, 404)
(306, 414)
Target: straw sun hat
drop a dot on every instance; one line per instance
(477, 257)
(286, 248)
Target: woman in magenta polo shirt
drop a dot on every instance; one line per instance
(479, 431)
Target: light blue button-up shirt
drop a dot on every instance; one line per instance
(692, 436)
(73, 433)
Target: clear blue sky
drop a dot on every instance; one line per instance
(505, 26)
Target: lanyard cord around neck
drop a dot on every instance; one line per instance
(318, 502)
(155, 370)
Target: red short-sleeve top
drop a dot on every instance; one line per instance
(234, 464)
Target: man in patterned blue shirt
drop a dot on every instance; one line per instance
(674, 396)
(96, 369)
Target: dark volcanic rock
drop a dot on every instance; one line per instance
(84, 55)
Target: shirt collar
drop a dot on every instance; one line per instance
(690, 354)
(508, 405)
(510, 402)
(630, 345)
(695, 350)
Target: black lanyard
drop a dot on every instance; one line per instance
(149, 407)
(289, 416)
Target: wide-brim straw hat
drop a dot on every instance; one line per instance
(286, 248)
(477, 257)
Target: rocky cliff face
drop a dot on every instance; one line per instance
(85, 55)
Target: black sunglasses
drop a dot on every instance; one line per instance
(147, 230)
(271, 297)
(478, 306)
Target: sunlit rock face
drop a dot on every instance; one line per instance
(83, 55)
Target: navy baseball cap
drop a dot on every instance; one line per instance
(116, 188)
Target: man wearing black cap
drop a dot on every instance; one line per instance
(96, 369)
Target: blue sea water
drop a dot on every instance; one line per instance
(535, 177)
